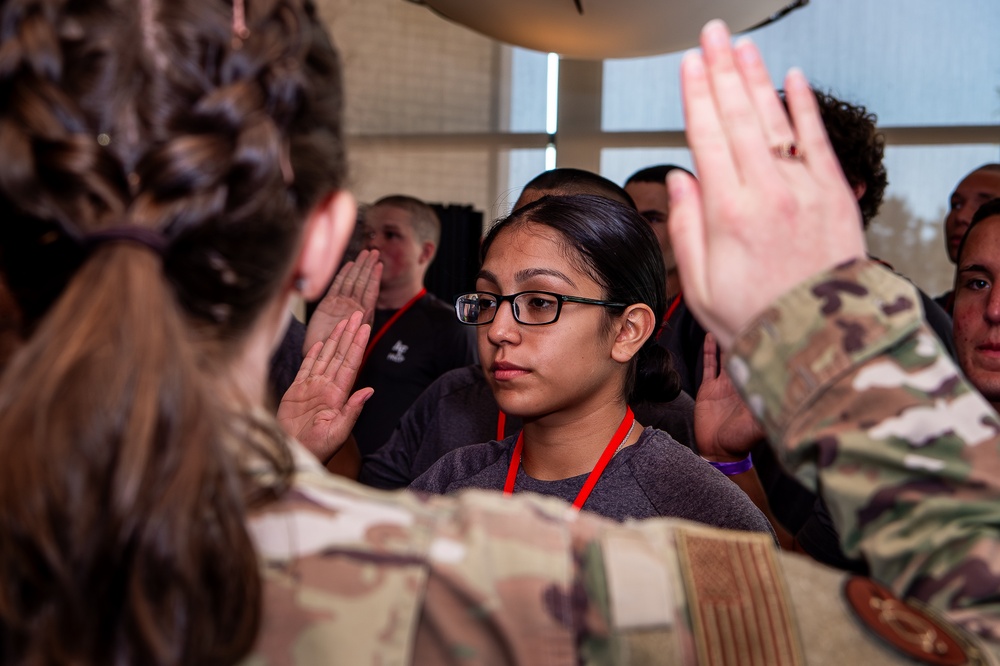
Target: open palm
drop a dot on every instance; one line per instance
(318, 409)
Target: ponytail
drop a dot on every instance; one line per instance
(656, 380)
(123, 535)
(122, 499)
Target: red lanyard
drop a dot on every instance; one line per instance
(670, 312)
(595, 474)
(501, 423)
(392, 320)
(673, 306)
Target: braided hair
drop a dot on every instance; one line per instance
(122, 502)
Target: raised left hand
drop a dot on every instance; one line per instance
(318, 409)
(354, 289)
(724, 427)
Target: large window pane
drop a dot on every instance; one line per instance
(908, 232)
(529, 70)
(912, 62)
(523, 165)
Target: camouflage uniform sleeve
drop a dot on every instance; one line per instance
(358, 576)
(859, 398)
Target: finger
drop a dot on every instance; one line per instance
(337, 288)
(709, 358)
(686, 225)
(306, 367)
(705, 135)
(329, 349)
(343, 345)
(773, 117)
(363, 281)
(353, 355)
(355, 404)
(370, 295)
(736, 108)
(811, 131)
(358, 277)
(351, 271)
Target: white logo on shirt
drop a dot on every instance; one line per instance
(398, 352)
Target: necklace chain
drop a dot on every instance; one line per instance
(595, 474)
(627, 435)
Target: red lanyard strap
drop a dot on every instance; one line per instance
(666, 317)
(392, 320)
(595, 474)
(673, 306)
(501, 424)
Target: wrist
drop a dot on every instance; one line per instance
(733, 467)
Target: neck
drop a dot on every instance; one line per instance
(245, 377)
(393, 297)
(673, 285)
(556, 447)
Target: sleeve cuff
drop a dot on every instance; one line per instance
(817, 332)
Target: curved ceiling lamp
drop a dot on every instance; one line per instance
(594, 29)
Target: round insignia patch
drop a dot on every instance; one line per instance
(909, 628)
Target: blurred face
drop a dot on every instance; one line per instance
(653, 203)
(389, 230)
(976, 189)
(977, 308)
(560, 368)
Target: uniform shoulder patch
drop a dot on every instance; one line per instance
(739, 606)
(908, 626)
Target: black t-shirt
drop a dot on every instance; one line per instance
(423, 344)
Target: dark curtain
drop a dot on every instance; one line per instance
(457, 261)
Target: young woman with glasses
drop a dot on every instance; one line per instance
(567, 305)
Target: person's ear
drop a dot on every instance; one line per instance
(635, 326)
(328, 230)
(427, 250)
(859, 190)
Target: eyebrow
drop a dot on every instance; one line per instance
(973, 268)
(526, 274)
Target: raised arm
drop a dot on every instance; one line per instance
(319, 408)
(355, 289)
(830, 351)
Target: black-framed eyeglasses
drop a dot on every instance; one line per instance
(531, 308)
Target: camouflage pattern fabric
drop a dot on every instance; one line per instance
(864, 404)
(358, 576)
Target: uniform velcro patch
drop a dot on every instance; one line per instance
(737, 602)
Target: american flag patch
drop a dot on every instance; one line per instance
(739, 609)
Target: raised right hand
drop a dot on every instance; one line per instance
(755, 224)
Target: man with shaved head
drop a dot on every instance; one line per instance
(979, 186)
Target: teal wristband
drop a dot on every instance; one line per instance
(734, 468)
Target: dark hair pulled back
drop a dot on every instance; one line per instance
(614, 245)
(989, 209)
(121, 495)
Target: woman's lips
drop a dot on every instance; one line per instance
(503, 371)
